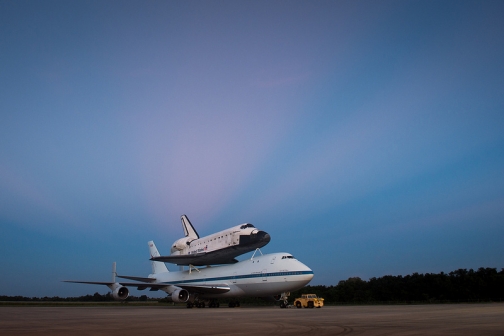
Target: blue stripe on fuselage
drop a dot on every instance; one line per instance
(245, 276)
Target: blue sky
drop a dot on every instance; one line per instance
(367, 137)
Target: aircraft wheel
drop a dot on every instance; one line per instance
(298, 304)
(217, 305)
(231, 304)
(237, 304)
(282, 305)
(203, 305)
(189, 305)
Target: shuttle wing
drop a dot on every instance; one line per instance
(200, 259)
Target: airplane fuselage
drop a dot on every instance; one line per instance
(264, 275)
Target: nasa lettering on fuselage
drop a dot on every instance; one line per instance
(198, 251)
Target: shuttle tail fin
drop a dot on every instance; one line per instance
(189, 230)
(157, 266)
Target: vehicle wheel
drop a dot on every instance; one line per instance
(310, 304)
(298, 304)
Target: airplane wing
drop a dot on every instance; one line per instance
(91, 282)
(136, 278)
(206, 289)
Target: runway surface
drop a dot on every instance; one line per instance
(453, 319)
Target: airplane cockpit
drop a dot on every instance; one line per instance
(288, 257)
(244, 226)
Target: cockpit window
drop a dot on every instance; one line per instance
(288, 257)
(244, 226)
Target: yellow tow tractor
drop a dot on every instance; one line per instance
(309, 301)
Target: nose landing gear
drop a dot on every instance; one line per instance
(285, 299)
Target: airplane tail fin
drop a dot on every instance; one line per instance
(114, 273)
(157, 266)
(189, 230)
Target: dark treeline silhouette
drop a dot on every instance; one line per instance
(462, 285)
(96, 297)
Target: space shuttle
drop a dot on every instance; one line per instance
(218, 248)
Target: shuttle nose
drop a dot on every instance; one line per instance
(256, 239)
(263, 236)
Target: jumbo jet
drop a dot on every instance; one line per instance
(271, 276)
(218, 248)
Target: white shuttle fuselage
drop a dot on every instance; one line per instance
(218, 248)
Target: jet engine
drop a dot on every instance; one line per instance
(180, 295)
(120, 293)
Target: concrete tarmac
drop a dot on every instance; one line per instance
(449, 319)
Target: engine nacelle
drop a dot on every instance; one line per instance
(181, 244)
(180, 295)
(120, 293)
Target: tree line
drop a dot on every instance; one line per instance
(462, 285)
(96, 297)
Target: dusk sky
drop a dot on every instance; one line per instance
(367, 137)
